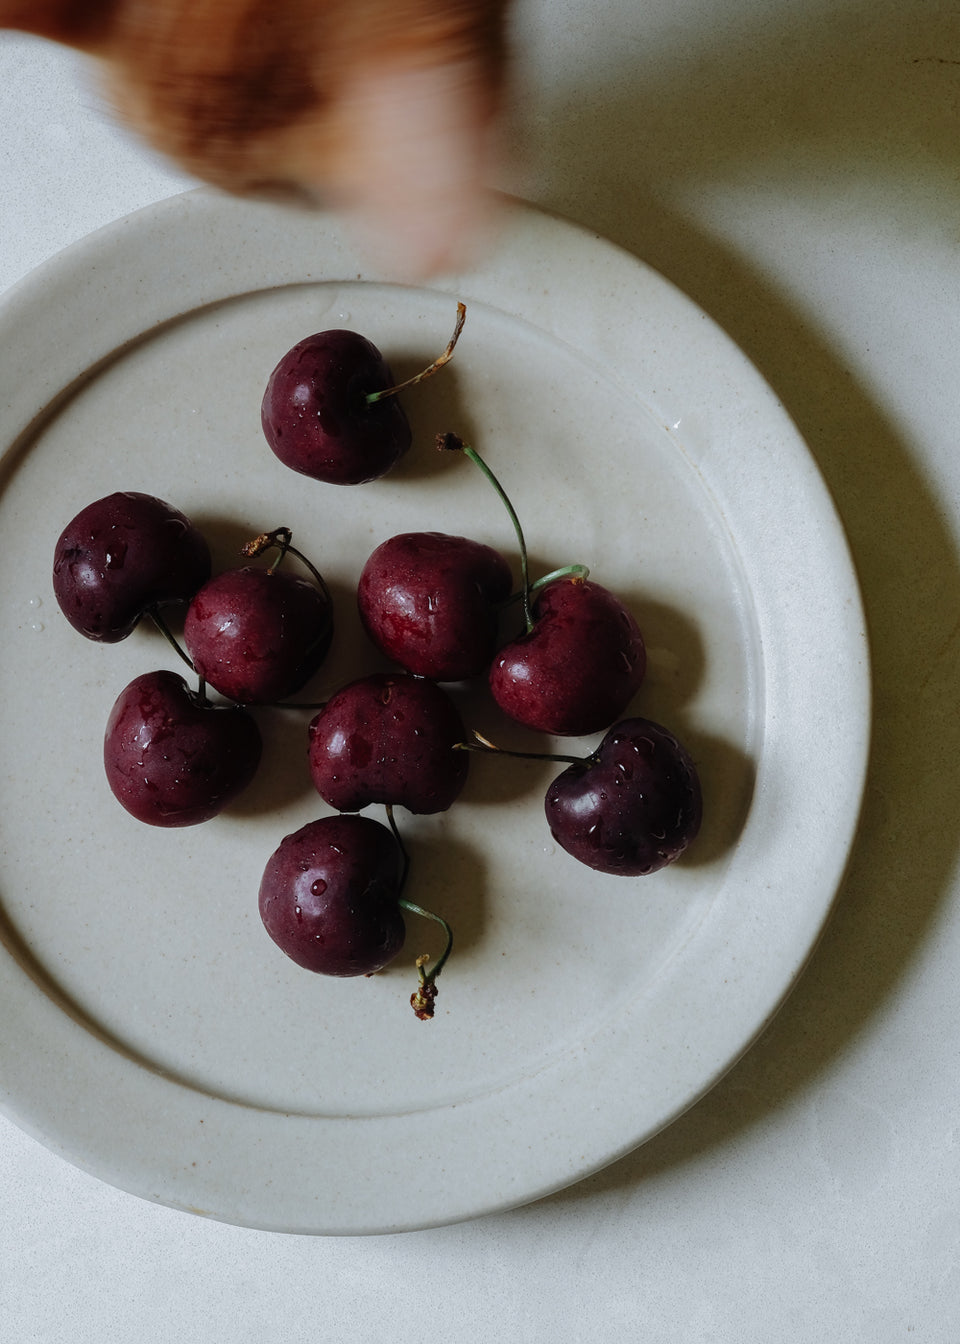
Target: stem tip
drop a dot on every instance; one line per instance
(424, 996)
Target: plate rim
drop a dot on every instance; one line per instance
(76, 273)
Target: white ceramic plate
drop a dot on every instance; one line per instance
(149, 1030)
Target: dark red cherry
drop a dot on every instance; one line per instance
(256, 635)
(633, 806)
(329, 896)
(171, 757)
(578, 668)
(388, 738)
(122, 555)
(317, 415)
(430, 603)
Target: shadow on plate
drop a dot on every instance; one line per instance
(825, 97)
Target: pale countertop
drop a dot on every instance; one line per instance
(795, 168)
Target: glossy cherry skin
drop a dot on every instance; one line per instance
(634, 807)
(329, 896)
(388, 738)
(580, 666)
(174, 759)
(121, 555)
(430, 603)
(256, 635)
(316, 416)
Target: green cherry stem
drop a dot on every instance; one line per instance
(405, 857)
(453, 443)
(430, 370)
(423, 998)
(483, 745)
(566, 572)
(160, 623)
(171, 639)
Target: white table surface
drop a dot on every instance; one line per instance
(795, 168)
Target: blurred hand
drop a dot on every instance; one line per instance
(384, 109)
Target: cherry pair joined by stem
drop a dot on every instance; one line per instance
(171, 756)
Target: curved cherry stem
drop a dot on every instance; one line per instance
(282, 538)
(565, 572)
(160, 623)
(423, 998)
(430, 370)
(453, 443)
(483, 745)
